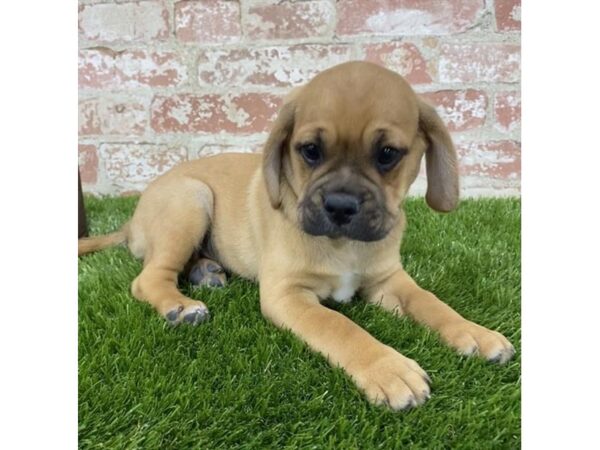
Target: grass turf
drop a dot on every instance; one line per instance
(238, 382)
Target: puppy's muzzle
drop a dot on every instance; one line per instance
(344, 211)
(341, 208)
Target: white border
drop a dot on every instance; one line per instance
(38, 335)
(561, 225)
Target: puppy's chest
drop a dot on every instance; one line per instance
(345, 275)
(345, 287)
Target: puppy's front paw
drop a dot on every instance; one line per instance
(472, 339)
(395, 381)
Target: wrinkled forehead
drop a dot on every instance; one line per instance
(350, 105)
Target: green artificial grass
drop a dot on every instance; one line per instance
(238, 382)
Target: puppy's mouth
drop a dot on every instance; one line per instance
(358, 216)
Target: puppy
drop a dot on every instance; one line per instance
(318, 215)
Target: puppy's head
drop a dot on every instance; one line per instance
(346, 147)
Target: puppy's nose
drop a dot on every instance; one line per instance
(341, 207)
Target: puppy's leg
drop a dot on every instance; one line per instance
(381, 372)
(400, 294)
(174, 220)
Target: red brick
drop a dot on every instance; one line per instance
(112, 117)
(88, 163)
(126, 22)
(89, 120)
(268, 66)
(406, 17)
(507, 108)
(208, 21)
(189, 113)
(493, 159)
(479, 62)
(404, 58)
(290, 20)
(102, 67)
(130, 167)
(508, 15)
(217, 149)
(460, 110)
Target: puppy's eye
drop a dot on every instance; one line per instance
(387, 157)
(311, 153)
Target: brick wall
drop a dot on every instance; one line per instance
(162, 81)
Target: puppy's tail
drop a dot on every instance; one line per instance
(95, 243)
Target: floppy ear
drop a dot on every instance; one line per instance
(274, 148)
(440, 159)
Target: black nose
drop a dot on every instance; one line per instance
(341, 207)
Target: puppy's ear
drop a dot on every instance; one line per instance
(441, 161)
(274, 149)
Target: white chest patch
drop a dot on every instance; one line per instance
(347, 285)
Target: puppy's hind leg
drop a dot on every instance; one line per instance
(175, 219)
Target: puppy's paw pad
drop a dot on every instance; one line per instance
(195, 315)
(173, 315)
(213, 267)
(206, 272)
(215, 281)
